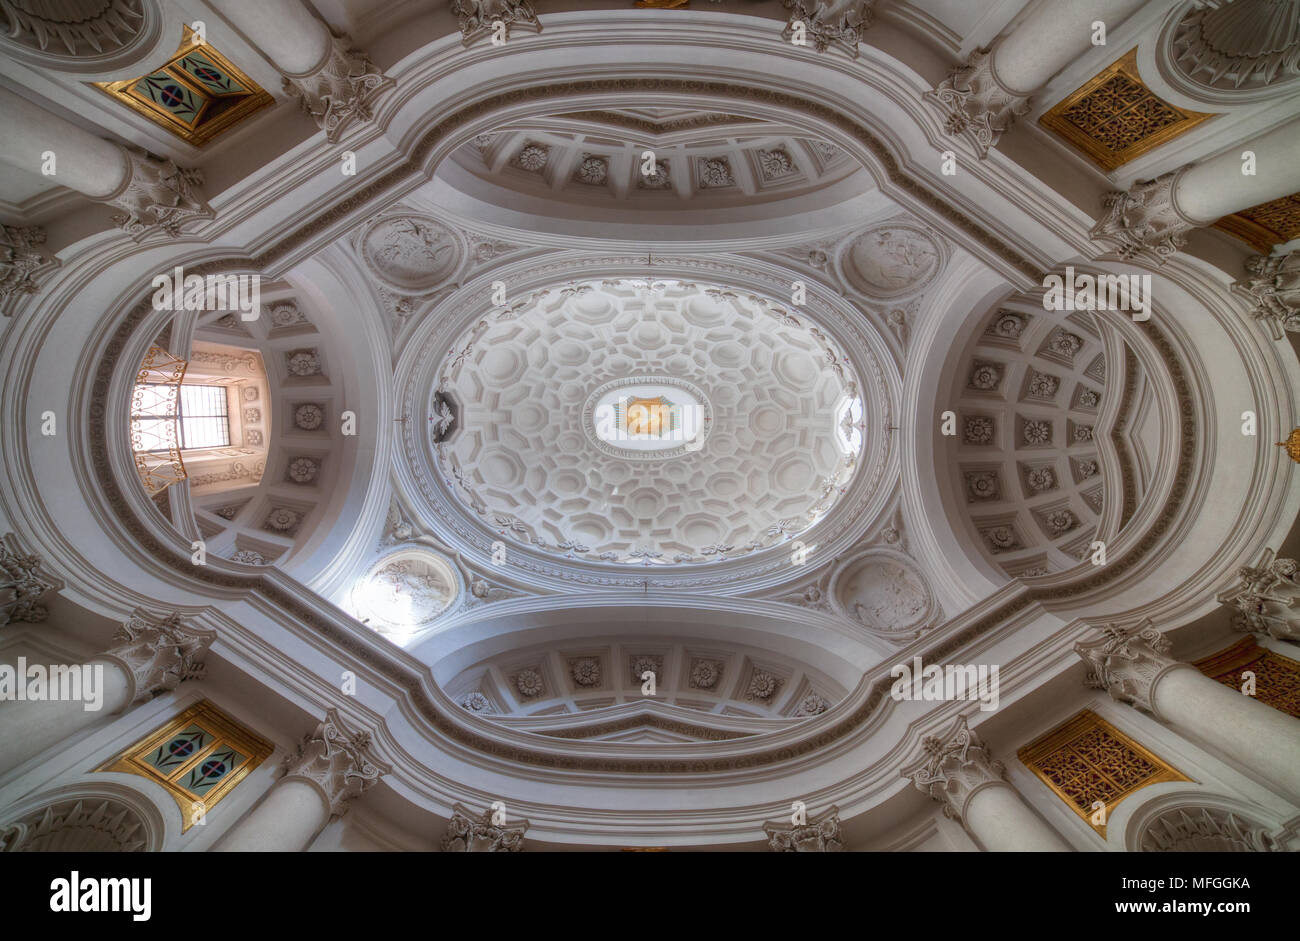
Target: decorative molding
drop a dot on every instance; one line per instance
(1274, 286)
(476, 17)
(1145, 221)
(21, 264)
(1114, 118)
(1199, 829)
(976, 103)
(338, 760)
(81, 825)
(340, 90)
(1246, 44)
(159, 653)
(1266, 598)
(831, 22)
(467, 833)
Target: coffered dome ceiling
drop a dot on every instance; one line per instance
(655, 423)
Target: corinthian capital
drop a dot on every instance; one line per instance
(1128, 662)
(821, 834)
(476, 17)
(953, 767)
(831, 22)
(1274, 286)
(467, 833)
(1146, 220)
(22, 583)
(20, 261)
(976, 103)
(340, 90)
(158, 196)
(159, 653)
(338, 761)
(1267, 598)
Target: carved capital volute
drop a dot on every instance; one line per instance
(953, 767)
(1128, 662)
(158, 653)
(338, 761)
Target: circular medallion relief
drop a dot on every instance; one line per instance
(405, 590)
(885, 592)
(891, 260)
(410, 253)
(648, 419)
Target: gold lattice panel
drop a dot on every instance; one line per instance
(1277, 678)
(1265, 225)
(1086, 759)
(198, 757)
(1114, 117)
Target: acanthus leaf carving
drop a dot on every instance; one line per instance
(158, 196)
(953, 766)
(976, 103)
(467, 833)
(338, 760)
(1128, 662)
(340, 90)
(159, 653)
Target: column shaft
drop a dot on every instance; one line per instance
(83, 161)
(1251, 734)
(29, 727)
(294, 40)
(1052, 37)
(1216, 187)
(1004, 823)
(285, 821)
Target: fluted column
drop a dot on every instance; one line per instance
(984, 96)
(156, 194)
(152, 656)
(1134, 665)
(333, 82)
(957, 770)
(331, 767)
(1153, 217)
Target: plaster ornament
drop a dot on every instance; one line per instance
(812, 704)
(409, 590)
(1061, 521)
(1082, 433)
(20, 261)
(978, 430)
(763, 685)
(1040, 479)
(159, 653)
(716, 172)
(1087, 469)
(1037, 432)
(1244, 44)
(529, 683)
(658, 179)
(1204, 829)
(1274, 287)
(646, 663)
(308, 417)
(339, 761)
(303, 470)
(1066, 344)
(302, 363)
(469, 834)
(75, 28)
(830, 22)
(985, 376)
(283, 520)
(1002, 539)
(1127, 662)
(157, 196)
(340, 91)
(252, 415)
(253, 438)
(228, 512)
(885, 593)
(249, 393)
(775, 163)
(77, 825)
(475, 17)
(286, 314)
(1144, 222)
(476, 702)
(953, 766)
(21, 584)
(533, 157)
(1041, 385)
(705, 673)
(585, 671)
(1266, 598)
(1089, 399)
(891, 261)
(983, 485)
(1009, 324)
(411, 253)
(592, 170)
(248, 557)
(975, 103)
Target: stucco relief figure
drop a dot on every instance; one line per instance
(893, 260)
(407, 592)
(411, 253)
(886, 595)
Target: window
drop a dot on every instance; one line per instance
(200, 420)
